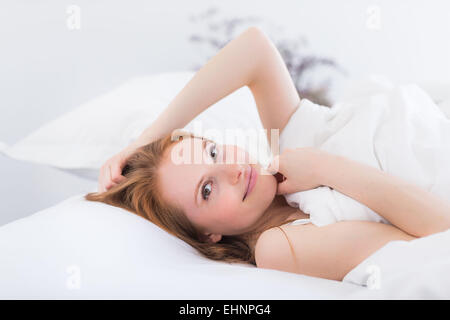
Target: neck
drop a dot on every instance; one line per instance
(278, 208)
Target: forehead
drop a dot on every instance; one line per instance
(183, 151)
(185, 147)
(189, 150)
(177, 179)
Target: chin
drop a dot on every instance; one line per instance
(268, 189)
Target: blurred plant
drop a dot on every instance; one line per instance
(301, 65)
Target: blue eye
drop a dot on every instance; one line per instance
(207, 187)
(206, 191)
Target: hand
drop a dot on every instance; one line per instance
(111, 171)
(300, 167)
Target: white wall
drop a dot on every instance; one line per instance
(47, 69)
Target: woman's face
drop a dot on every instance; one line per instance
(211, 189)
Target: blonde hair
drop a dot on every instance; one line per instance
(139, 195)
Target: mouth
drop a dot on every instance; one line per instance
(250, 181)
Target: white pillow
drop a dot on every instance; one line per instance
(82, 249)
(82, 139)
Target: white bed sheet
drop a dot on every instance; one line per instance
(418, 269)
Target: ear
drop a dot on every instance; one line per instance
(212, 237)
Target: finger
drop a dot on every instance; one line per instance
(110, 185)
(117, 176)
(119, 179)
(101, 188)
(106, 178)
(283, 187)
(101, 179)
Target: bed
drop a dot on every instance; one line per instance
(83, 250)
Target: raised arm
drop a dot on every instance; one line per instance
(248, 60)
(332, 251)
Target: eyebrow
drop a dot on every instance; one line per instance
(201, 179)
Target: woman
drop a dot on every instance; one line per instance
(236, 212)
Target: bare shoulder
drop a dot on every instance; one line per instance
(273, 250)
(328, 252)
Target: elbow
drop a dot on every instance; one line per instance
(255, 31)
(257, 35)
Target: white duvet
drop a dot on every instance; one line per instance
(398, 129)
(417, 269)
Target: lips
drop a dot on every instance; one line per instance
(249, 176)
(249, 173)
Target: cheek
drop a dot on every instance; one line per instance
(267, 186)
(228, 208)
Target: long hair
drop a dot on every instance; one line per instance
(139, 194)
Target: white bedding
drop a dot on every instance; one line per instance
(417, 269)
(398, 129)
(80, 249)
(84, 250)
(87, 250)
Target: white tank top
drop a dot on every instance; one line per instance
(299, 221)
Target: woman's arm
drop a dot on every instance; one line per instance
(328, 252)
(410, 208)
(333, 250)
(248, 60)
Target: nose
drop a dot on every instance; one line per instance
(235, 173)
(234, 163)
